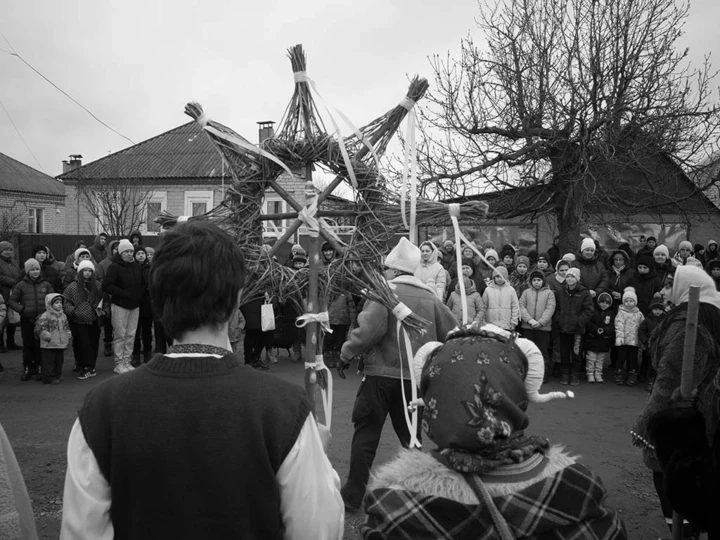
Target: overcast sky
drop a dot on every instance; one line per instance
(135, 63)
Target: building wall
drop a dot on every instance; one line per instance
(53, 209)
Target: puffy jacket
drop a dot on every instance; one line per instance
(500, 307)
(376, 333)
(78, 307)
(538, 305)
(432, 273)
(646, 285)
(124, 283)
(474, 303)
(50, 273)
(593, 274)
(52, 327)
(574, 309)
(9, 276)
(28, 297)
(627, 326)
(601, 319)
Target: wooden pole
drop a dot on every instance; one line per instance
(686, 376)
(311, 329)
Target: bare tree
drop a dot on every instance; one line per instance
(120, 208)
(565, 98)
(10, 223)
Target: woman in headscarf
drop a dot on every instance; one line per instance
(487, 475)
(666, 350)
(430, 271)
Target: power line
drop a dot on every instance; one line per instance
(21, 137)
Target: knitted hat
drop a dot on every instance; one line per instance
(569, 257)
(685, 244)
(39, 247)
(85, 264)
(502, 272)
(651, 238)
(296, 248)
(605, 297)
(5, 245)
(507, 253)
(125, 245)
(715, 263)
(491, 253)
(587, 243)
(468, 262)
(543, 257)
(448, 244)
(508, 247)
(30, 264)
(575, 272)
(487, 244)
(80, 251)
(662, 248)
(537, 274)
(476, 388)
(657, 302)
(299, 257)
(645, 260)
(327, 247)
(629, 293)
(141, 248)
(562, 262)
(149, 250)
(404, 257)
(622, 253)
(522, 259)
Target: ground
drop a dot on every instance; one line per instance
(595, 425)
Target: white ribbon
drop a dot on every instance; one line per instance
(322, 318)
(407, 103)
(302, 77)
(326, 395)
(182, 219)
(411, 419)
(411, 163)
(454, 210)
(203, 120)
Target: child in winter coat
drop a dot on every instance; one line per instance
(537, 306)
(627, 327)
(473, 301)
(519, 278)
(499, 304)
(599, 338)
(53, 329)
(543, 264)
(468, 270)
(574, 310)
(28, 299)
(654, 318)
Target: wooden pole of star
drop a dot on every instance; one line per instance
(311, 329)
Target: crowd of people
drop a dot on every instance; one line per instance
(162, 451)
(99, 288)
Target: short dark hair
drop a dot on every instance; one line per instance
(196, 275)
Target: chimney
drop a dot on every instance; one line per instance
(73, 163)
(265, 130)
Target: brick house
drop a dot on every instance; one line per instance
(183, 172)
(30, 201)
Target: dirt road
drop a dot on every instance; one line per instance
(595, 425)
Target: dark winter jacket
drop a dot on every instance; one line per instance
(124, 283)
(139, 236)
(79, 306)
(554, 254)
(650, 323)
(646, 285)
(342, 310)
(574, 309)
(664, 270)
(619, 281)
(104, 264)
(593, 274)
(9, 276)
(50, 273)
(145, 305)
(97, 251)
(28, 297)
(600, 329)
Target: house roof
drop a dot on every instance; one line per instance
(16, 176)
(183, 152)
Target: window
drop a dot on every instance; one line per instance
(198, 202)
(275, 227)
(35, 220)
(156, 204)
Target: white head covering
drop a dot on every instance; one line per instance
(587, 243)
(685, 276)
(404, 257)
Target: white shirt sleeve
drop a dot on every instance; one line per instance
(311, 505)
(310, 501)
(86, 498)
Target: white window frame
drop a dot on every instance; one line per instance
(157, 197)
(269, 227)
(32, 214)
(194, 197)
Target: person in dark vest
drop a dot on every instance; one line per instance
(194, 444)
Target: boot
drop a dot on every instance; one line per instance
(565, 378)
(620, 377)
(38, 373)
(108, 349)
(2, 347)
(26, 375)
(135, 362)
(598, 372)
(632, 378)
(11, 346)
(590, 370)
